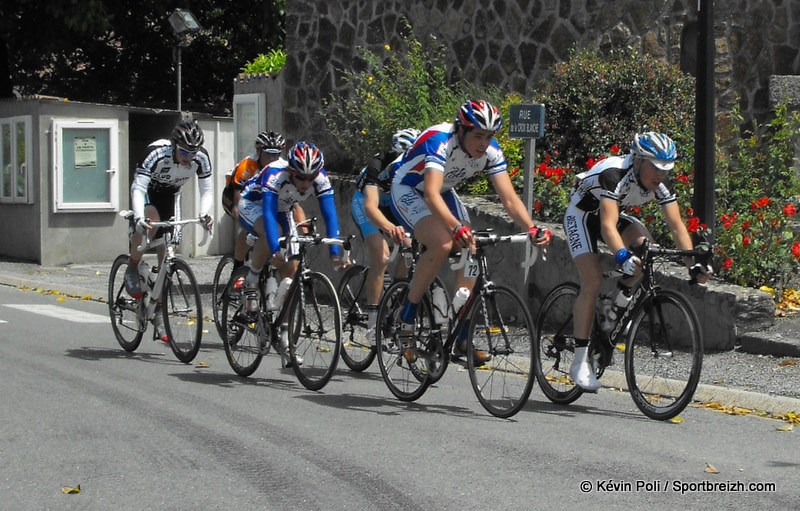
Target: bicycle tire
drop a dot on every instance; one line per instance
(315, 330)
(501, 325)
(182, 311)
(126, 312)
(221, 277)
(358, 352)
(663, 355)
(404, 383)
(554, 344)
(242, 340)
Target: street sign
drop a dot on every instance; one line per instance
(526, 121)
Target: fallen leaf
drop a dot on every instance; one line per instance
(788, 362)
(201, 364)
(61, 298)
(786, 428)
(676, 420)
(86, 297)
(71, 490)
(711, 469)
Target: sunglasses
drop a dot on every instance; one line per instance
(186, 154)
(301, 177)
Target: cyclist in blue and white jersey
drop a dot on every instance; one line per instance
(155, 192)
(424, 200)
(373, 216)
(594, 213)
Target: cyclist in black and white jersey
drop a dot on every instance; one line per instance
(155, 192)
(594, 213)
(372, 214)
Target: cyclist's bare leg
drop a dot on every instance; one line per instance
(591, 277)
(150, 213)
(438, 243)
(378, 254)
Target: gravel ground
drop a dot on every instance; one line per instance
(765, 374)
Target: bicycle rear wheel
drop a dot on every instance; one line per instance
(127, 313)
(554, 344)
(315, 330)
(664, 355)
(243, 337)
(406, 380)
(501, 325)
(358, 350)
(221, 277)
(182, 310)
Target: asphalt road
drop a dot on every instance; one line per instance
(143, 431)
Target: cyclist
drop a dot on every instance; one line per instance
(594, 213)
(269, 148)
(424, 200)
(269, 198)
(373, 216)
(155, 193)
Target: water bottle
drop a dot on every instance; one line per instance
(280, 294)
(272, 289)
(251, 299)
(621, 302)
(604, 309)
(440, 313)
(460, 299)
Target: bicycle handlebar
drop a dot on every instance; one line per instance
(128, 215)
(396, 249)
(487, 239)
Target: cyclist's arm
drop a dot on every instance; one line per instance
(680, 234)
(434, 179)
(511, 201)
(138, 192)
(371, 202)
(269, 208)
(299, 216)
(327, 206)
(206, 188)
(609, 216)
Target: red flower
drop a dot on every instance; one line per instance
(513, 172)
(537, 206)
(746, 241)
(729, 262)
(615, 149)
(746, 225)
(590, 162)
(789, 210)
(694, 224)
(796, 249)
(763, 201)
(683, 178)
(754, 205)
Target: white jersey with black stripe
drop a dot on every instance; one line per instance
(161, 173)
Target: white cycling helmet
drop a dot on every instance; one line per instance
(656, 147)
(404, 139)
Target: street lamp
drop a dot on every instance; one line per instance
(184, 26)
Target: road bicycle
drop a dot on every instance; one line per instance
(311, 308)
(170, 290)
(358, 350)
(497, 321)
(222, 275)
(661, 334)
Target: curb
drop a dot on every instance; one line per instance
(769, 343)
(66, 289)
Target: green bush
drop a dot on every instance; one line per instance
(270, 63)
(404, 88)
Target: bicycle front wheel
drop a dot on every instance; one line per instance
(358, 350)
(663, 355)
(554, 344)
(407, 380)
(244, 337)
(127, 313)
(182, 310)
(501, 325)
(315, 330)
(221, 276)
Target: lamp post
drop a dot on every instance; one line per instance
(184, 26)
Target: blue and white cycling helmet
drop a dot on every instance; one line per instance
(404, 139)
(656, 147)
(479, 114)
(305, 159)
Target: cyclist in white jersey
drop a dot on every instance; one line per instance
(155, 192)
(594, 214)
(423, 199)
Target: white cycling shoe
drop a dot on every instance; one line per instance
(581, 371)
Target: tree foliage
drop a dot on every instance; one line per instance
(122, 52)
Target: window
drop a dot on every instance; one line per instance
(86, 164)
(249, 120)
(15, 157)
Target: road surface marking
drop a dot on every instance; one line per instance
(54, 311)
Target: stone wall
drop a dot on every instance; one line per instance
(514, 43)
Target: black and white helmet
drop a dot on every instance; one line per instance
(188, 136)
(270, 142)
(404, 139)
